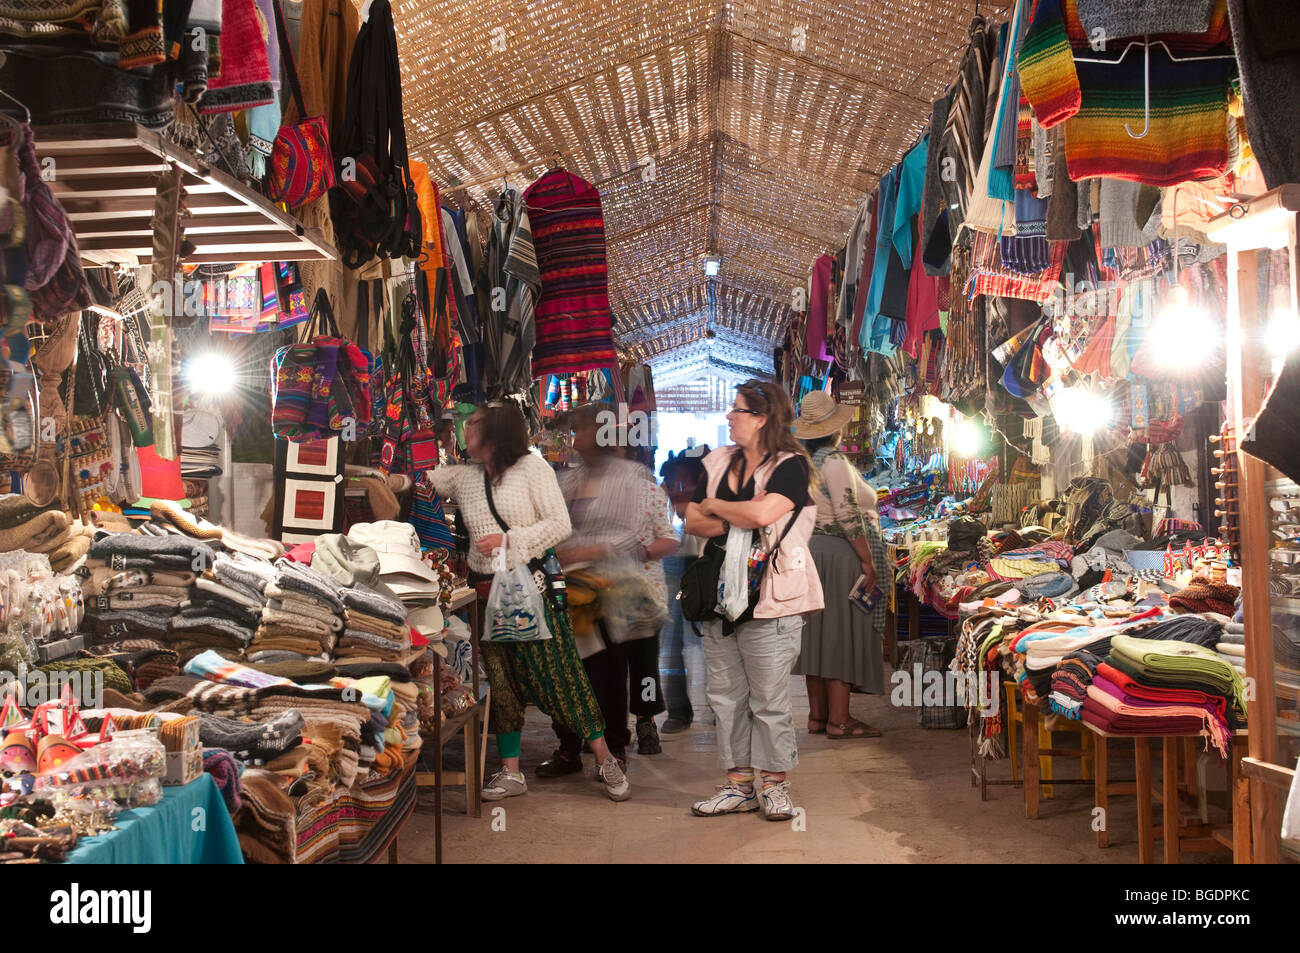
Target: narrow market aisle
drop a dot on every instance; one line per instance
(902, 798)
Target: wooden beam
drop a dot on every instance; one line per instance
(204, 225)
(231, 258)
(1274, 774)
(268, 247)
(82, 209)
(124, 163)
(129, 186)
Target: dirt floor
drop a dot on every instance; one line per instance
(903, 798)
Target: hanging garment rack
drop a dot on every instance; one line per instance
(504, 176)
(107, 180)
(1146, 45)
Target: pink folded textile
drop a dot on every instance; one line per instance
(1109, 713)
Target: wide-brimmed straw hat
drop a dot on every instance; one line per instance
(820, 416)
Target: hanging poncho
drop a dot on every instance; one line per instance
(573, 316)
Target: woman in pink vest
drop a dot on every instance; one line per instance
(756, 496)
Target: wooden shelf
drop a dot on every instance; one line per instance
(105, 175)
(452, 726)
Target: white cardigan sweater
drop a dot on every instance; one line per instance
(528, 499)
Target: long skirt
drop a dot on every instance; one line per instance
(842, 641)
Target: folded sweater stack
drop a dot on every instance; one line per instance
(138, 585)
(36, 529)
(302, 612)
(1070, 682)
(1179, 666)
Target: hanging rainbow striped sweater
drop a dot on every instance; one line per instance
(1188, 136)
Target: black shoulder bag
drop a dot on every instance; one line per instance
(699, 589)
(699, 592)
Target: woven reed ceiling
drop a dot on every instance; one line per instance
(746, 130)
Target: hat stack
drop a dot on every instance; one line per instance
(401, 564)
(404, 573)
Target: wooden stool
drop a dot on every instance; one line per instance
(1195, 837)
(1103, 787)
(1039, 750)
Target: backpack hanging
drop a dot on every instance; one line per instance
(375, 212)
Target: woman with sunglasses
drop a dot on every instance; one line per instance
(760, 484)
(510, 485)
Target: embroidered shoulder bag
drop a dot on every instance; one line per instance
(302, 167)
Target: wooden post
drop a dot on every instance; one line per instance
(1142, 766)
(1169, 799)
(1239, 787)
(1246, 392)
(1100, 782)
(437, 768)
(1029, 766)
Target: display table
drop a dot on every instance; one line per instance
(191, 825)
(1177, 835)
(359, 825)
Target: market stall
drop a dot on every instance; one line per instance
(263, 261)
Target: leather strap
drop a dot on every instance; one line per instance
(286, 51)
(487, 488)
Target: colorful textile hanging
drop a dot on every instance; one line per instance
(245, 77)
(1185, 115)
(572, 314)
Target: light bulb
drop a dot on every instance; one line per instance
(967, 438)
(1182, 335)
(1283, 332)
(1081, 411)
(211, 373)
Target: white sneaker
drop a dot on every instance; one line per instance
(730, 799)
(505, 784)
(616, 784)
(776, 802)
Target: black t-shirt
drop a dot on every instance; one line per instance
(790, 479)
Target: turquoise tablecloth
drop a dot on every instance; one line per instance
(190, 826)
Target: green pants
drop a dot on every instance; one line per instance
(547, 674)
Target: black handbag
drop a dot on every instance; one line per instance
(699, 589)
(699, 592)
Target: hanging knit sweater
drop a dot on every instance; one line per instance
(573, 320)
(1188, 134)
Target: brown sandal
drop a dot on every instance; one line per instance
(852, 730)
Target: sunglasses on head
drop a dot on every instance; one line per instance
(756, 386)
